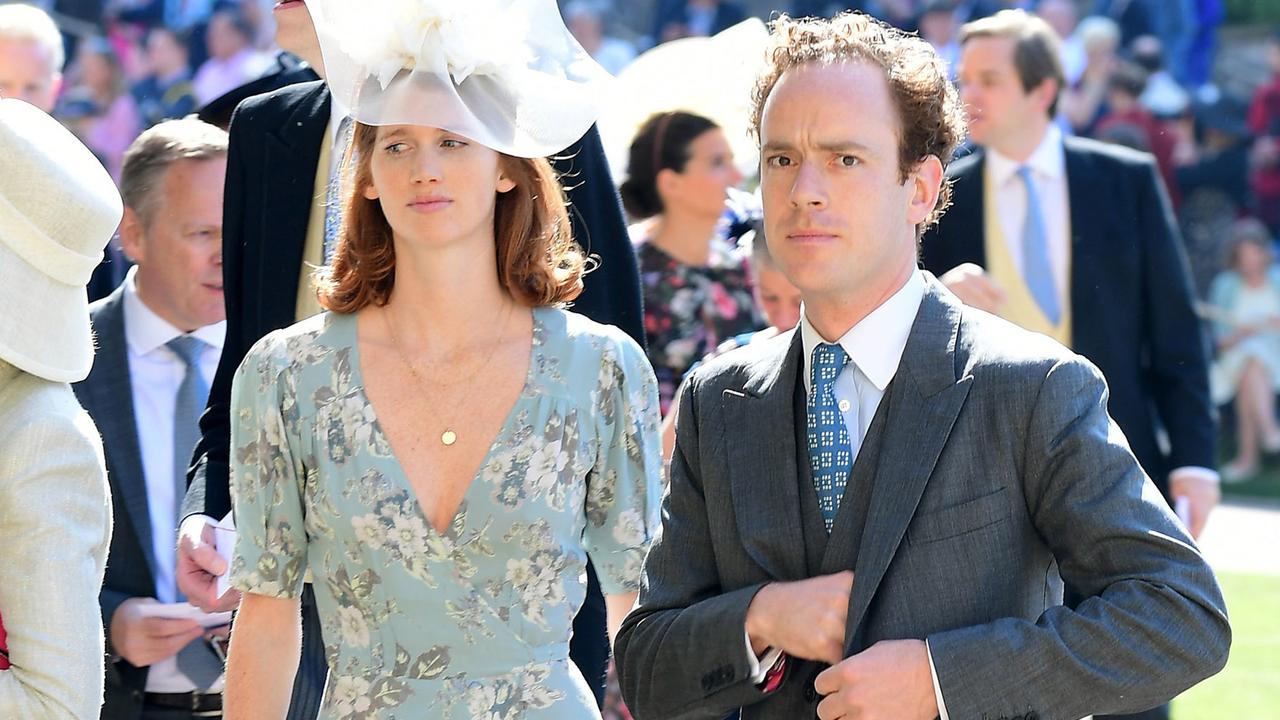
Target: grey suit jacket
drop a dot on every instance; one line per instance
(999, 474)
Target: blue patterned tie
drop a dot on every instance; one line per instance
(196, 660)
(830, 453)
(333, 199)
(1035, 253)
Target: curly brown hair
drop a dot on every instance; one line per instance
(539, 263)
(930, 115)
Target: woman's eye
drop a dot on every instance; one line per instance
(452, 143)
(395, 148)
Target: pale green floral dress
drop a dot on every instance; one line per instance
(474, 623)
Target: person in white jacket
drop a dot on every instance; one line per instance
(58, 209)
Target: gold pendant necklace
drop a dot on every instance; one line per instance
(449, 436)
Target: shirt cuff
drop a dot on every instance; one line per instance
(758, 667)
(937, 687)
(1193, 472)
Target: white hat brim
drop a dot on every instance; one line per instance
(44, 324)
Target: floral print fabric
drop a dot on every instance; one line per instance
(689, 311)
(473, 622)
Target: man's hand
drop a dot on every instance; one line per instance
(145, 640)
(1202, 496)
(805, 619)
(200, 565)
(889, 680)
(974, 287)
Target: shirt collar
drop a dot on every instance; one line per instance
(1047, 160)
(875, 345)
(146, 331)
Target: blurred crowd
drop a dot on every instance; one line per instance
(1139, 73)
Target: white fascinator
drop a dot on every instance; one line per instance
(504, 73)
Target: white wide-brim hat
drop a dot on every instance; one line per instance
(504, 73)
(58, 210)
(708, 76)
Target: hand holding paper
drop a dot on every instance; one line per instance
(200, 563)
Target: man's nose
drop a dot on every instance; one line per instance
(808, 189)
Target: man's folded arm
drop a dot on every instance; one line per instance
(680, 654)
(1153, 622)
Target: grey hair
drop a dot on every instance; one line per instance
(147, 159)
(19, 21)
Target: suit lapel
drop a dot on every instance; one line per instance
(762, 474)
(1088, 256)
(289, 171)
(923, 406)
(113, 397)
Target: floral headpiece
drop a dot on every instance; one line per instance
(505, 73)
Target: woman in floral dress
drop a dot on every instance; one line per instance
(442, 449)
(697, 289)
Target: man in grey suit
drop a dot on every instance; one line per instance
(873, 516)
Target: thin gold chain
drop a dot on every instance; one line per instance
(449, 436)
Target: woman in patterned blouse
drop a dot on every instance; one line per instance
(697, 288)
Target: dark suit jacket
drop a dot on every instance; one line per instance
(107, 395)
(1131, 297)
(998, 476)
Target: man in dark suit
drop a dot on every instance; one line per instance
(874, 515)
(159, 337)
(284, 147)
(1076, 240)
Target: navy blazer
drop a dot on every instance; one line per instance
(1132, 302)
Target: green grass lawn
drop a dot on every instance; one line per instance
(1249, 687)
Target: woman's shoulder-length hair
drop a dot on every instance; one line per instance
(539, 263)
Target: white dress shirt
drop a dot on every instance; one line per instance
(155, 372)
(1048, 164)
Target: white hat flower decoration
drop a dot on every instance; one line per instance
(506, 73)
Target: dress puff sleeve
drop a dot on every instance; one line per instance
(625, 485)
(267, 474)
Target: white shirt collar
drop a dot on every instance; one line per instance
(1047, 160)
(146, 331)
(876, 343)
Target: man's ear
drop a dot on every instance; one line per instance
(133, 235)
(926, 181)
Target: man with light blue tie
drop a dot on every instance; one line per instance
(1075, 239)
(875, 515)
(159, 339)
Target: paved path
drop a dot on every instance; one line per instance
(1243, 537)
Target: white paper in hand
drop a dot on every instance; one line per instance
(224, 541)
(185, 611)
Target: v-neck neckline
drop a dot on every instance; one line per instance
(458, 519)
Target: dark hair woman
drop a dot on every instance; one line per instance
(697, 287)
